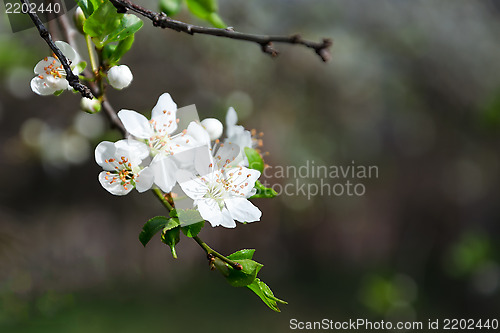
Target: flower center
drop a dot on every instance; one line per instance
(123, 172)
(53, 70)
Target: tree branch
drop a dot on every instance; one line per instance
(163, 21)
(44, 33)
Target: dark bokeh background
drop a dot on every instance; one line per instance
(413, 88)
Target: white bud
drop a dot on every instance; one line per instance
(120, 76)
(90, 105)
(214, 128)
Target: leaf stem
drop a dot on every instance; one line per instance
(210, 251)
(93, 61)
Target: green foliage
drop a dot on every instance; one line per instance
(190, 221)
(206, 10)
(170, 7)
(105, 25)
(89, 6)
(152, 227)
(81, 66)
(112, 52)
(255, 161)
(171, 235)
(263, 192)
(266, 295)
(245, 276)
(193, 229)
(242, 254)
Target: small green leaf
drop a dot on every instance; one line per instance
(242, 254)
(173, 213)
(255, 161)
(193, 229)
(170, 7)
(81, 66)
(86, 7)
(245, 276)
(206, 10)
(263, 192)
(171, 237)
(152, 227)
(112, 53)
(105, 25)
(266, 295)
(215, 20)
(58, 92)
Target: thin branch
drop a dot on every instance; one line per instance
(163, 21)
(109, 111)
(67, 29)
(44, 33)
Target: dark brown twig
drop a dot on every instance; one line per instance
(163, 21)
(44, 33)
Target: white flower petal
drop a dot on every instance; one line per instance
(164, 170)
(113, 187)
(40, 67)
(41, 87)
(231, 120)
(210, 211)
(103, 152)
(243, 210)
(227, 219)
(68, 51)
(198, 133)
(133, 149)
(165, 105)
(144, 179)
(194, 187)
(228, 155)
(136, 124)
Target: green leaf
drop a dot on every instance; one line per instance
(112, 53)
(89, 6)
(173, 213)
(255, 161)
(266, 295)
(206, 10)
(242, 254)
(263, 192)
(171, 236)
(245, 276)
(58, 92)
(105, 25)
(170, 7)
(81, 66)
(152, 227)
(215, 20)
(193, 229)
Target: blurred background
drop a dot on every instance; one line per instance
(413, 88)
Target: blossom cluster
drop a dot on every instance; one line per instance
(158, 154)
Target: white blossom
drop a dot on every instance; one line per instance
(164, 144)
(219, 190)
(50, 74)
(121, 162)
(120, 76)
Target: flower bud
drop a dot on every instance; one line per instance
(120, 76)
(213, 126)
(79, 19)
(90, 105)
